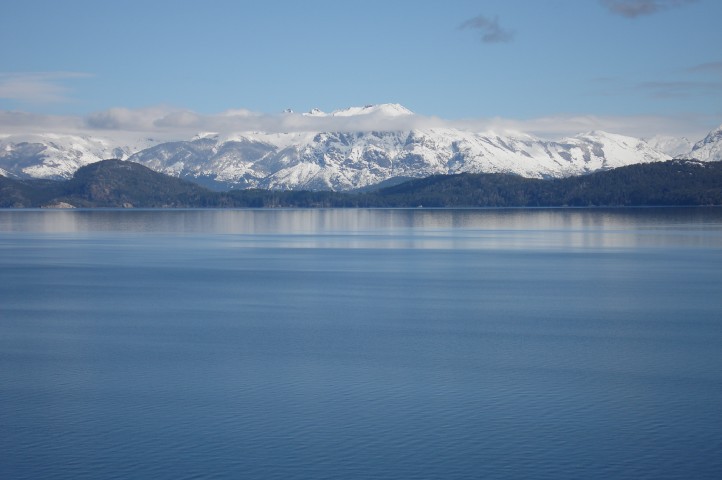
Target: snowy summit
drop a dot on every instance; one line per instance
(384, 109)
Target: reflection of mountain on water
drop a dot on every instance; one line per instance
(546, 229)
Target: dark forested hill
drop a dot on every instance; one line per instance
(110, 183)
(677, 182)
(114, 183)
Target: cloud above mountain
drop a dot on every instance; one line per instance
(173, 124)
(163, 119)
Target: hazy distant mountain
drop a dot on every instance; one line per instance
(673, 146)
(346, 160)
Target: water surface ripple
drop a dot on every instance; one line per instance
(386, 344)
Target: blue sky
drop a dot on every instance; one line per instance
(521, 60)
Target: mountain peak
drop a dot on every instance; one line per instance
(600, 134)
(202, 135)
(710, 148)
(384, 109)
(712, 137)
(381, 109)
(315, 112)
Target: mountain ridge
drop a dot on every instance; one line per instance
(344, 160)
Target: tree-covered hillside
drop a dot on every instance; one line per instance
(114, 183)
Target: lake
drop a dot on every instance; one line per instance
(349, 344)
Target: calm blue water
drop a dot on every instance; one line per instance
(375, 344)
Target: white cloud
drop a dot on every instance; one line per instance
(177, 124)
(140, 120)
(37, 87)
(163, 119)
(642, 126)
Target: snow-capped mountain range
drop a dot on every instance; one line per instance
(346, 160)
